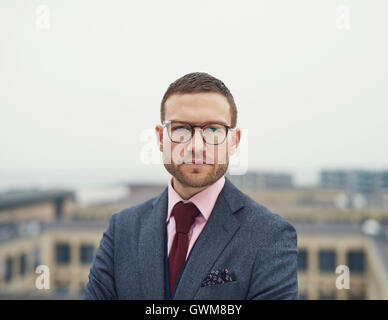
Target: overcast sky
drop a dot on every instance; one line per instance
(80, 81)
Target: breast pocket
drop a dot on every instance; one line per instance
(224, 291)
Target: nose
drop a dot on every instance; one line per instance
(196, 143)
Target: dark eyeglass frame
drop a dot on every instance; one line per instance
(166, 124)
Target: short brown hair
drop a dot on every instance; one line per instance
(197, 82)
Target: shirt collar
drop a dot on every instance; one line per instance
(204, 200)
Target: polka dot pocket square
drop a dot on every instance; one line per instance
(217, 277)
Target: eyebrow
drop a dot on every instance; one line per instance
(200, 124)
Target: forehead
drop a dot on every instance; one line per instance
(198, 107)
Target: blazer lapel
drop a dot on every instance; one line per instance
(218, 231)
(151, 249)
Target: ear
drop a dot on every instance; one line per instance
(234, 140)
(159, 136)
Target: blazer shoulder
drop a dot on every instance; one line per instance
(135, 210)
(256, 212)
(264, 222)
(262, 213)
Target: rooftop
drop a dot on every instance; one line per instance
(10, 199)
(327, 227)
(382, 247)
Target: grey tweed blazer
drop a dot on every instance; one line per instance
(259, 247)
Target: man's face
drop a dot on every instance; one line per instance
(182, 159)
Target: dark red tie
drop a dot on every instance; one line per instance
(184, 214)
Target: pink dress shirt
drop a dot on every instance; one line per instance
(204, 201)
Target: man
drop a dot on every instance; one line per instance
(201, 238)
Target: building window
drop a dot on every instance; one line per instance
(87, 254)
(22, 264)
(36, 258)
(63, 253)
(360, 295)
(356, 261)
(62, 288)
(58, 207)
(327, 296)
(302, 296)
(302, 260)
(327, 260)
(8, 269)
(82, 289)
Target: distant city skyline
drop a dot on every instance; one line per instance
(22, 179)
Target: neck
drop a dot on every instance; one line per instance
(186, 192)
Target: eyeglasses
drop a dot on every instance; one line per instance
(181, 132)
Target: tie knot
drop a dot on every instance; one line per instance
(184, 214)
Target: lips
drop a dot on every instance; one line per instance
(194, 161)
(194, 165)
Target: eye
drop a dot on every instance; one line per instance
(181, 129)
(214, 128)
